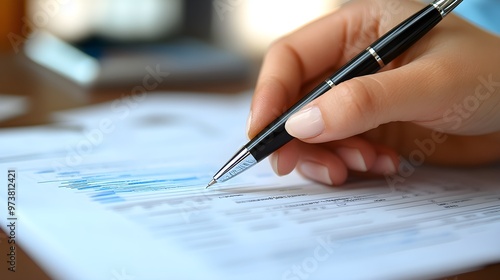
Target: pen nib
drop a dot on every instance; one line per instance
(211, 183)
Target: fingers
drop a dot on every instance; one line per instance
(386, 162)
(321, 166)
(330, 163)
(364, 103)
(285, 159)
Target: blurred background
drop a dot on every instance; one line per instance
(60, 54)
(110, 42)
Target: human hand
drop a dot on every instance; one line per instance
(449, 81)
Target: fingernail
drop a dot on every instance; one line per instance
(273, 158)
(249, 122)
(306, 123)
(316, 172)
(383, 164)
(352, 158)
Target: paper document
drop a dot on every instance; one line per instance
(117, 191)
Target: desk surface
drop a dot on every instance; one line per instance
(46, 92)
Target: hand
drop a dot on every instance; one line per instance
(449, 81)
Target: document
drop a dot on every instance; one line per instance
(117, 191)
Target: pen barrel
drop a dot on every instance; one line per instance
(380, 53)
(270, 143)
(274, 136)
(404, 35)
(361, 65)
(388, 47)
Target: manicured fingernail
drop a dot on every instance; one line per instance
(306, 123)
(352, 158)
(383, 164)
(249, 122)
(316, 172)
(273, 158)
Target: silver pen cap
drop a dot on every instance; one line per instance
(446, 6)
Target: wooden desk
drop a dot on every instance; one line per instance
(46, 92)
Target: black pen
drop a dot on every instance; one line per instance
(369, 61)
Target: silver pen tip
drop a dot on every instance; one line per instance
(211, 183)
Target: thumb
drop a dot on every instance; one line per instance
(364, 103)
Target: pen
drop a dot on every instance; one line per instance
(369, 61)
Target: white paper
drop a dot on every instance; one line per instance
(117, 191)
